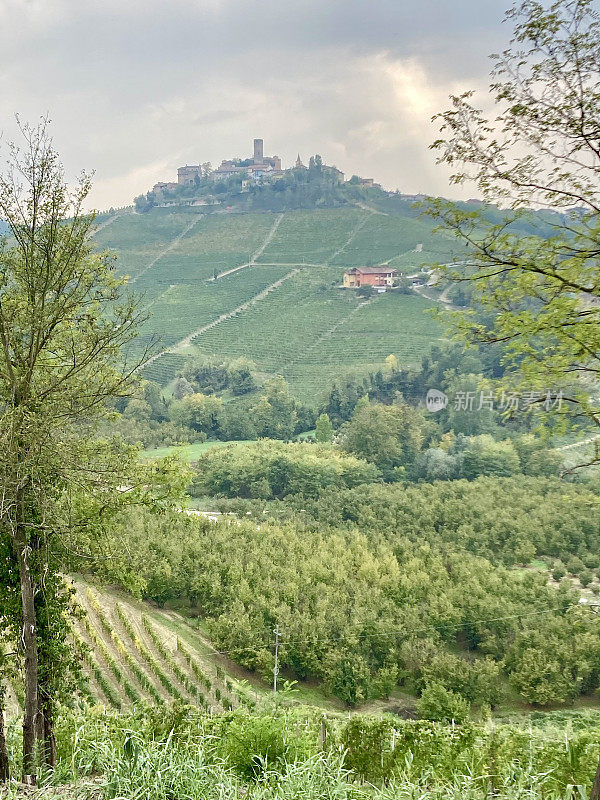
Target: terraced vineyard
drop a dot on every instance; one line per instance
(281, 306)
(312, 237)
(137, 654)
(390, 323)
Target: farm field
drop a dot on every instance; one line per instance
(312, 237)
(305, 328)
(187, 452)
(390, 323)
(380, 239)
(183, 308)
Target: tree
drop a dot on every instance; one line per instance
(485, 456)
(315, 164)
(63, 325)
(464, 414)
(534, 276)
(387, 436)
(435, 464)
(268, 469)
(442, 705)
(241, 379)
(274, 415)
(324, 430)
(182, 388)
(392, 363)
(198, 411)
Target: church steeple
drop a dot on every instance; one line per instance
(299, 163)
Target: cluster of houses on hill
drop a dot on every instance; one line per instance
(256, 169)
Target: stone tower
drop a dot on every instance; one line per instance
(258, 151)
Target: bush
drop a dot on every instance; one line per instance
(559, 572)
(442, 705)
(575, 565)
(485, 456)
(585, 577)
(253, 744)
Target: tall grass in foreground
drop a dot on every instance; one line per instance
(157, 770)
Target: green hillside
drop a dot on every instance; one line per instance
(266, 286)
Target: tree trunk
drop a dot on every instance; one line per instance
(31, 721)
(4, 763)
(49, 740)
(595, 795)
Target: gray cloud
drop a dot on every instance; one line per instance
(136, 88)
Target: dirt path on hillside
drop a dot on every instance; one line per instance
(268, 239)
(172, 244)
(258, 253)
(422, 291)
(361, 223)
(583, 442)
(365, 207)
(186, 342)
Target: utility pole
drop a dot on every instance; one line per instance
(276, 667)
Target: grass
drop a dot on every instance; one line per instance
(186, 452)
(279, 756)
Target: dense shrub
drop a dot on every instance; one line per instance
(442, 705)
(269, 469)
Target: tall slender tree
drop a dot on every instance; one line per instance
(64, 322)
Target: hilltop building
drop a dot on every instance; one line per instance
(369, 183)
(257, 169)
(161, 186)
(380, 278)
(187, 175)
(259, 166)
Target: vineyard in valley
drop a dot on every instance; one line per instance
(267, 287)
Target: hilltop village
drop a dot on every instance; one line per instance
(258, 169)
(259, 182)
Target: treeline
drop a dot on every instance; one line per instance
(379, 443)
(212, 399)
(395, 592)
(271, 469)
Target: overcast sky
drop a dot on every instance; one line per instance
(135, 88)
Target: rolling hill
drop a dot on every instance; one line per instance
(266, 286)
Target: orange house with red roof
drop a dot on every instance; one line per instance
(370, 276)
